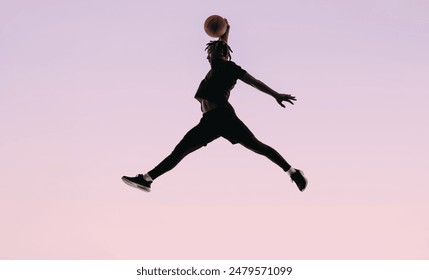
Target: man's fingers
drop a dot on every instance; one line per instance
(286, 97)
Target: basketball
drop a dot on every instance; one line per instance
(215, 26)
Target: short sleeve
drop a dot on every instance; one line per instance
(236, 71)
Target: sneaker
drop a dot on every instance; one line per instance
(299, 179)
(137, 182)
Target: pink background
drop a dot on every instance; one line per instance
(93, 90)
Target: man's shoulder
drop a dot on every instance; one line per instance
(232, 65)
(230, 62)
(236, 69)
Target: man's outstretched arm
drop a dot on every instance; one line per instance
(279, 97)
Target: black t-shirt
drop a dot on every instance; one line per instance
(219, 82)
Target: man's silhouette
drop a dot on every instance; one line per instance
(219, 118)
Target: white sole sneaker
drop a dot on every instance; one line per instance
(135, 185)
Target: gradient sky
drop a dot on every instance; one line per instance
(93, 90)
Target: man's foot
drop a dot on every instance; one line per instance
(137, 182)
(299, 179)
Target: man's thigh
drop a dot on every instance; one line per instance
(236, 131)
(200, 135)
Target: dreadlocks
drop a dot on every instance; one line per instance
(219, 47)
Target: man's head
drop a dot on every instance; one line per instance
(218, 50)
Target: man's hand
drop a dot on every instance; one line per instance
(280, 97)
(225, 36)
(284, 97)
(227, 23)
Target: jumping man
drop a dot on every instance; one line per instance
(219, 118)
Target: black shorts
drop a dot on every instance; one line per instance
(219, 122)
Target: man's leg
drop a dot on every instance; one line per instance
(258, 147)
(238, 132)
(263, 149)
(196, 138)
